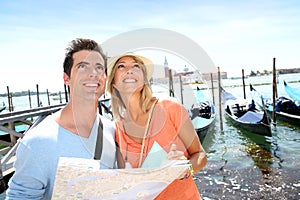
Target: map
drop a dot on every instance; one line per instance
(79, 178)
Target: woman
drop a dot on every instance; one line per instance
(143, 120)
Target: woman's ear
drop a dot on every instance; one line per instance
(66, 79)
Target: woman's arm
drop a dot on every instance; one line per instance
(191, 141)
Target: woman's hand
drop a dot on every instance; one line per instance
(175, 154)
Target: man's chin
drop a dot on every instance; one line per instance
(92, 95)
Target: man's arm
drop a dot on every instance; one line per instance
(28, 181)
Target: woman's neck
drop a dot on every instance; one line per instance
(133, 105)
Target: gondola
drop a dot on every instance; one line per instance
(286, 110)
(293, 92)
(245, 115)
(2, 108)
(202, 114)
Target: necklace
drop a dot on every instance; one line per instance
(146, 135)
(90, 142)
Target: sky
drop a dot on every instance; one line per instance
(235, 34)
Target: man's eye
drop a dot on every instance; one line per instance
(100, 68)
(82, 66)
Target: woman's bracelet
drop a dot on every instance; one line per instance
(191, 170)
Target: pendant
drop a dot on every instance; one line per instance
(128, 165)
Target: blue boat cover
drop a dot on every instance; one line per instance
(203, 108)
(251, 117)
(200, 122)
(227, 96)
(200, 97)
(293, 92)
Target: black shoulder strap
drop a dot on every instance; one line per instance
(99, 142)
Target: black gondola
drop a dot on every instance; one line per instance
(245, 115)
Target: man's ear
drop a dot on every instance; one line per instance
(66, 79)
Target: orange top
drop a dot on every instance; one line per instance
(168, 117)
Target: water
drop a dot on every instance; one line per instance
(23, 102)
(242, 165)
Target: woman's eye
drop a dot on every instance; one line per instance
(121, 66)
(137, 66)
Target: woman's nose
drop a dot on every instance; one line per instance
(130, 71)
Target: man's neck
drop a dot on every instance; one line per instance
(78, 119)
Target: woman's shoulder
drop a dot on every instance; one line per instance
(171, 106)
(169, 101)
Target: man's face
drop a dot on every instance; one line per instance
(88, 78)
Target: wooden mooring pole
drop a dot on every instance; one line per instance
(181, 89)
(220, 99)
(212, 88)
(274, 92)
(29, 96)
(48, 97)
(171, 86)
(38, 95)
(66, 93)
(9, 99)
(243, 78)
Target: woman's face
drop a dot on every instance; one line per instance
(129, 76)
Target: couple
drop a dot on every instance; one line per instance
(140, 120)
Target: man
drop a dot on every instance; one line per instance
(70, 132)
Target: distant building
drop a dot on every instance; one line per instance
(166, 67)
(288, 71)
(162, 73)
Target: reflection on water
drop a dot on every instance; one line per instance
(243, 165)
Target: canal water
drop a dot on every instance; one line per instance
(243, 165)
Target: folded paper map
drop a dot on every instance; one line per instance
(78, 178)
(156, 156)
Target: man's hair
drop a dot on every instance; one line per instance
(78, 45)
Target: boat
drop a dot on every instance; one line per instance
(57, 96)
(202, 114)
(3, 107)
(293, 92)
(245, 115)
(286, 110)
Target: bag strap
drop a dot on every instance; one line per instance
(99, 142)
(146, 134)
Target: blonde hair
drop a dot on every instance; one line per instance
(117, 103)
